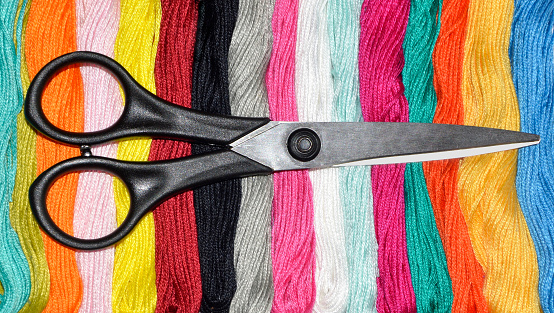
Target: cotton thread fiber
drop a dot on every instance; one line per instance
(383, 26)
(531, 53)
(14, 271)
(442, 176)
(354, 182)
(177, 264)
(293, 237)
(314, 98)
(51, 32)
(497, 228)
(432, 285)
(217, 205)
(134, 277)
(97, 25)
(21, 217)
(249, 54)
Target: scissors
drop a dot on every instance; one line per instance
(250, 146)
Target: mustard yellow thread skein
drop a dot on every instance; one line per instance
(487, 193)
(134, 281)
(21, 218)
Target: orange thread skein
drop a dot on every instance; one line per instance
(51, 32)
(442, 176)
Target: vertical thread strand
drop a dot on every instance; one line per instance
(432, 285)
(51, 32)
(14, 270)
(249, 54)
(97, 25)
(442, 176)
(177, 264)
(314, 96)
(134, 277)
(22, 220)
(217, 205)
(487, 193)
(293, 238)
(383, 26)
(354, 182)
(532, 55)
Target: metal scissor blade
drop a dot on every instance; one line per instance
(346, 144)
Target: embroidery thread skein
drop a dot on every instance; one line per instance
(487, 193)
(293, 237)
(14, 271)
(249, 54)
(383, 26)
(354, 182)
(532, 55)
(442, 176)
(51, 32)
(177, 265)
(21, 217)
(314, 98)
(217, 206)
(97, 25)
(432, 285)
(134, 277)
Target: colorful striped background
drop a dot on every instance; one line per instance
(469, 235)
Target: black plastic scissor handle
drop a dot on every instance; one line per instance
(148, 183)
(144, 114)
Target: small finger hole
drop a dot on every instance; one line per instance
(83, 98)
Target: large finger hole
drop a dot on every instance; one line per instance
(89, 212)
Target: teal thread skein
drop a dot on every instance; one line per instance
(14, 269)
(430, 278)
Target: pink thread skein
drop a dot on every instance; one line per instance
(381, 60)
(97, 26)
(293, 236)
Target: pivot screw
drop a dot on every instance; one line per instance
(304, 144)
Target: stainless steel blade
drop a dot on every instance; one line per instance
(348, 144)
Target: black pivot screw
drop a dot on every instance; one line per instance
(304, 144)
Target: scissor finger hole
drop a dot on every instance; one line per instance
(83, 98)
(88, 204)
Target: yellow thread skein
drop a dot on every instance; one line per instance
(487, 192)
(134, 282)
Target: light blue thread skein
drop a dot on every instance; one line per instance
(532, 60)
(355, 181)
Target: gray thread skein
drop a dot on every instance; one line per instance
(248, 59)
